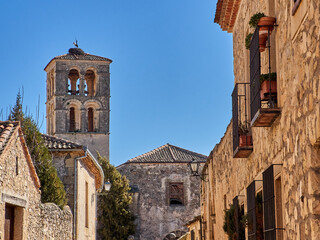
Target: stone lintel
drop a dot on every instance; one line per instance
(17, 201)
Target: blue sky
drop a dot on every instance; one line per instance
(171, 76)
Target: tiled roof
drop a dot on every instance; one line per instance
(6, 130)
(168, 154)
(79, 54)
(55, 143)
(85, 56)
(59, 143)
(226, 13)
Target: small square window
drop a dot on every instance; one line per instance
(176, 194)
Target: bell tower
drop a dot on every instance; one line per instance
(78, 99)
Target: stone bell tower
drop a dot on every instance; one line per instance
(78, 99)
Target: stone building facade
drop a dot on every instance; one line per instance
(22, 215)
(78, 94)
(274, 174)
(165, 195)
(82, 178)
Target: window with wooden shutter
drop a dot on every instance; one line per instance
(269, 204)
(251, 208)
(255, 72)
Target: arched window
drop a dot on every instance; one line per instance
(72, 125)
(73, 87)
(90, 82)
(90, 120)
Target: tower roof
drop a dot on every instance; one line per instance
(168, 154)
(79, 54)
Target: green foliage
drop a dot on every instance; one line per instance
(255, 19)
(52, 189)
(229, 225)
(259, 216)
(115, 219)
(264, 77)
(248, 40)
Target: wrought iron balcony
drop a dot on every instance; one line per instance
(242, 136)
(263, 94)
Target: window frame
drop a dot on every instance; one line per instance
(178, 196)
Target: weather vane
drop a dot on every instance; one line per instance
(76, 43)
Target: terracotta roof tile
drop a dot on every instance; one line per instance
(168, 154)
(6, 130)
(78, 54)
(59, 143)
(226, 13)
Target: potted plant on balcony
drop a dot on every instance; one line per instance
(265, 26)
(245, 138)
(267, 87)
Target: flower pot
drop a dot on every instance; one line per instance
(245, 140)
(265, 27)
(262, 42)
(265, 89)
(266, 24)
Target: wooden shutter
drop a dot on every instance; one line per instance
(235, 127)
(269, 204)
(255, 74)
(251, 206)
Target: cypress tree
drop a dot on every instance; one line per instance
(114, 218)
(52, 189)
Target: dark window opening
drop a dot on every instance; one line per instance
(175, 202)
(9, 222)
(73, 87)
(176, 194)
(17, 166)
(192, 235)
(90, 120)
(90, 82)
(72, 126)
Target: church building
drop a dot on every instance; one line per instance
(78, 93)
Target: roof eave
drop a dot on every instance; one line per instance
(226, 14)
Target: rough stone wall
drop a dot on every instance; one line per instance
(55, 223)
(155, 218)
(60, 100)
(64, 163)
(293, 139)
(33, 220)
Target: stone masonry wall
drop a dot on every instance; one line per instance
(33, 220)
(155, 217)
(293, 139)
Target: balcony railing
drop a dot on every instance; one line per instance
(264, 108)
(241, 130)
